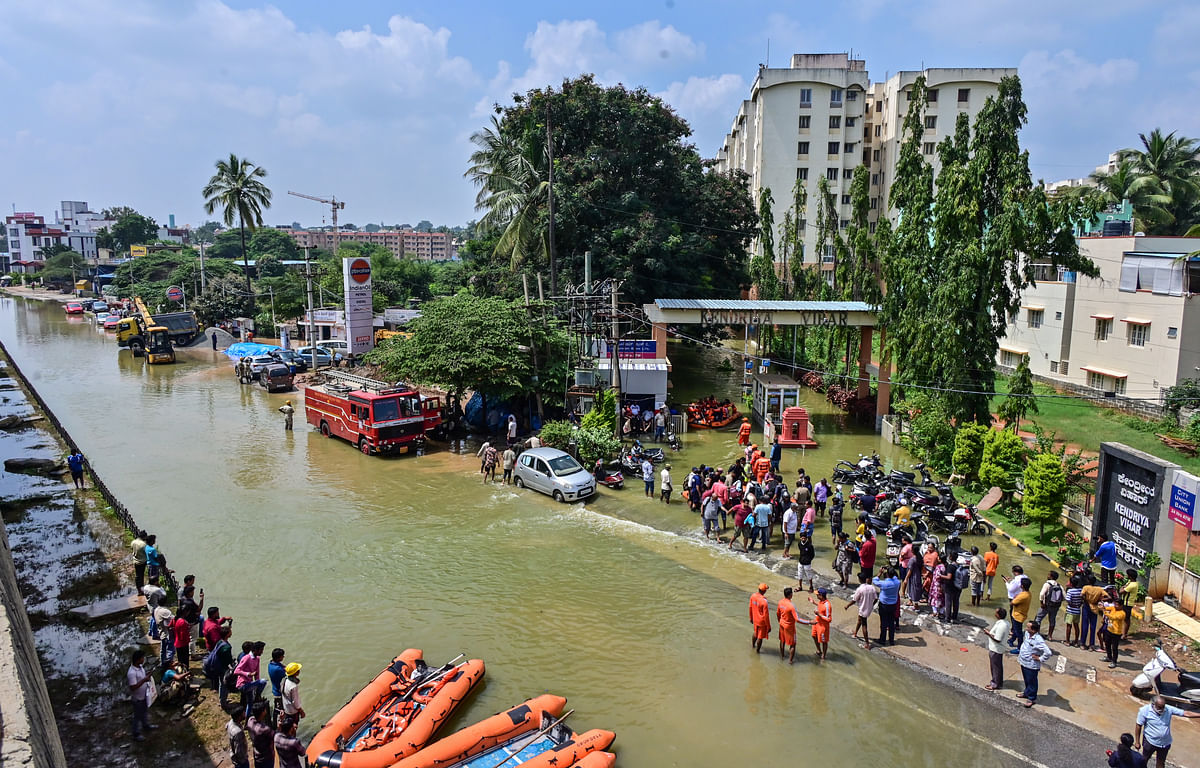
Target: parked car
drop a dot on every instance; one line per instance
(554, 473)
(275, 377)
(110, 322)
(292, 359)
(99, 306)
(324, 358)
(258, 363)
(100, 317)
(336, 346)
(73, 308)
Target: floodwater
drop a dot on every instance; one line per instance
(345, 560)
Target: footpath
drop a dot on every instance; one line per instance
(1076, 686)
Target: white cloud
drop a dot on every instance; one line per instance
(651, 43)
(1066, 74)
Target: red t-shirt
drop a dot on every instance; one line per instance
(866, 553)
(211, 631)
(760, 609)
(182, 632)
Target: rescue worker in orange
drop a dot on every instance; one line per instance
(788, 617)
(824, 617)
(760, 617)
(762, 467)
(744, 433)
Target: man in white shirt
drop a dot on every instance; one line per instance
(140, 686)
(154, 594)
(291, 691)
(791, 522)
(997, 638)
(865, 596)
(665, 486)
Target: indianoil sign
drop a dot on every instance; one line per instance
(356, 282)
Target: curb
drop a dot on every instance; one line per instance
(1017, 543)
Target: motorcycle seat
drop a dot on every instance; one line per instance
(1189, 679)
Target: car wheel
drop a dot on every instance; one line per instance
(325, 430)
(519, 483)
(558, 496)
(364, 446)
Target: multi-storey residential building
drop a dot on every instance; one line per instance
(822, 116)
(1122, 333)
(426, 246)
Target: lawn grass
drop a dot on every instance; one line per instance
(1193, 563)
(1086, 424)
(1028, 534)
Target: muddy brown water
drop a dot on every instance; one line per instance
(345, 560)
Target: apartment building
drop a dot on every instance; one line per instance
(1130, 333)
(821, 116)
(424, 246)
(75, 227)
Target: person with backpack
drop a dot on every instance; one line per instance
(1051, 599)
(960, 579)
(218, 663)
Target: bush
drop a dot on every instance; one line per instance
(1193, 430)
(557, 434)
(968, 449)
(1003, 459)
(930, 433)
(1045, 490)
(590, 443)
(603, 415)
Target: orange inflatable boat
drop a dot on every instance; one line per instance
(597, 760)
(567, 749)
(487, 736)
(396, 715)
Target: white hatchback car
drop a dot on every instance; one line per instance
(554, 473)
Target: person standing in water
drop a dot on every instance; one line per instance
(288, 412)
(760, 617)
(788, 618)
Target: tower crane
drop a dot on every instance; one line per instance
(334, 204)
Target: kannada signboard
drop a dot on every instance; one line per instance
(1131, 491)
(136, 251)
(356, 281)
(1182, 507)
(633, 349)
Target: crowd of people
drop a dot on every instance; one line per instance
(192, 637)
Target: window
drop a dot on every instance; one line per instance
(806, 97)
(874, 203)
(804, 122)
(1053, 366)
(802, 225)
(844, 223)
(964, 95)
(878, 130)
(850, 121)
(875, 156)
(851, 146)
(931, 96)
(828, 256)
(872, 227)
(1104, 383)
(845, 199)
(1035, 317)
(851, 95)
(835, 97)
(831, 174)
(1138, 334)
(1172, 332)
(908, 95)
(874, 178)
(835, 122)
(1103, 328)
(931, 122)
(37, 241)
(802, 148)
(1010, 359)
(802, 174)
(928, 147)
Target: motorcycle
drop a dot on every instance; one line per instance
(1149, 682)
(653, 455)
(673, 440)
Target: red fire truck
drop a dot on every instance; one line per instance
(375, 416)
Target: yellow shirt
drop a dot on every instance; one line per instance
(1129, 593)
(1116, 619)
(1020, 606)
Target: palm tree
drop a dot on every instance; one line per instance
(1168, 167)
(511, 177)
(237, 188)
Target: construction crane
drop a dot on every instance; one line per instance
(334, 204)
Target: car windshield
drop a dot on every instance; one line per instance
(564, 465)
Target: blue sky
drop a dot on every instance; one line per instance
(131, 101)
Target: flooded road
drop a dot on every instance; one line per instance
(345, 560)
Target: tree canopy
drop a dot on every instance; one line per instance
(628, 187)
(132, 228)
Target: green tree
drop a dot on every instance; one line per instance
(133, 229)
(117, 211)
(968, 449)
(791, 243)
(224, 300)
(237, 189)
(1185, 394)
(461, 342)
(603, 416)
(958, 260)
(1020, 400)
(929, 433)
(1003, 459)
(62, 265)
(762, 263)
(1045, 490)
(628, 187)
(227, 245)
(271, 241)
(1168, 171)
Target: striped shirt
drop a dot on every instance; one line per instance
(1074, 601)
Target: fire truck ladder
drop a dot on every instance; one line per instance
(354, 381)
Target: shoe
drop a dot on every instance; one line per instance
(1015, 651)
(989, 687)
(1112, 665)
(1028, 704)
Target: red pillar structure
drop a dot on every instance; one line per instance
(883, 398)
(866, 334)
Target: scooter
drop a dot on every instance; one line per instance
(673, 440)
(1149, 682)
(653, 455)
(612, 478)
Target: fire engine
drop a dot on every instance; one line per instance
(375, 416)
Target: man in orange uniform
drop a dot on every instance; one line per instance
(824, 617)
(744, 432)
(788, 618)
(760, 617)
(762, 468)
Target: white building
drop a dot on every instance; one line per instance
(1122, 333)
(821, 116)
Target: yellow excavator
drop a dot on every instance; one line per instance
(145, 337)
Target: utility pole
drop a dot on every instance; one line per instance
(616, 353)
(550, 204)
(537, 395)
(312, 331)
(203, 284)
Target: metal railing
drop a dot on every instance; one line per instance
(120, 510)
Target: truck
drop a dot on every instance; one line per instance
(179, 327)
(375, 416)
